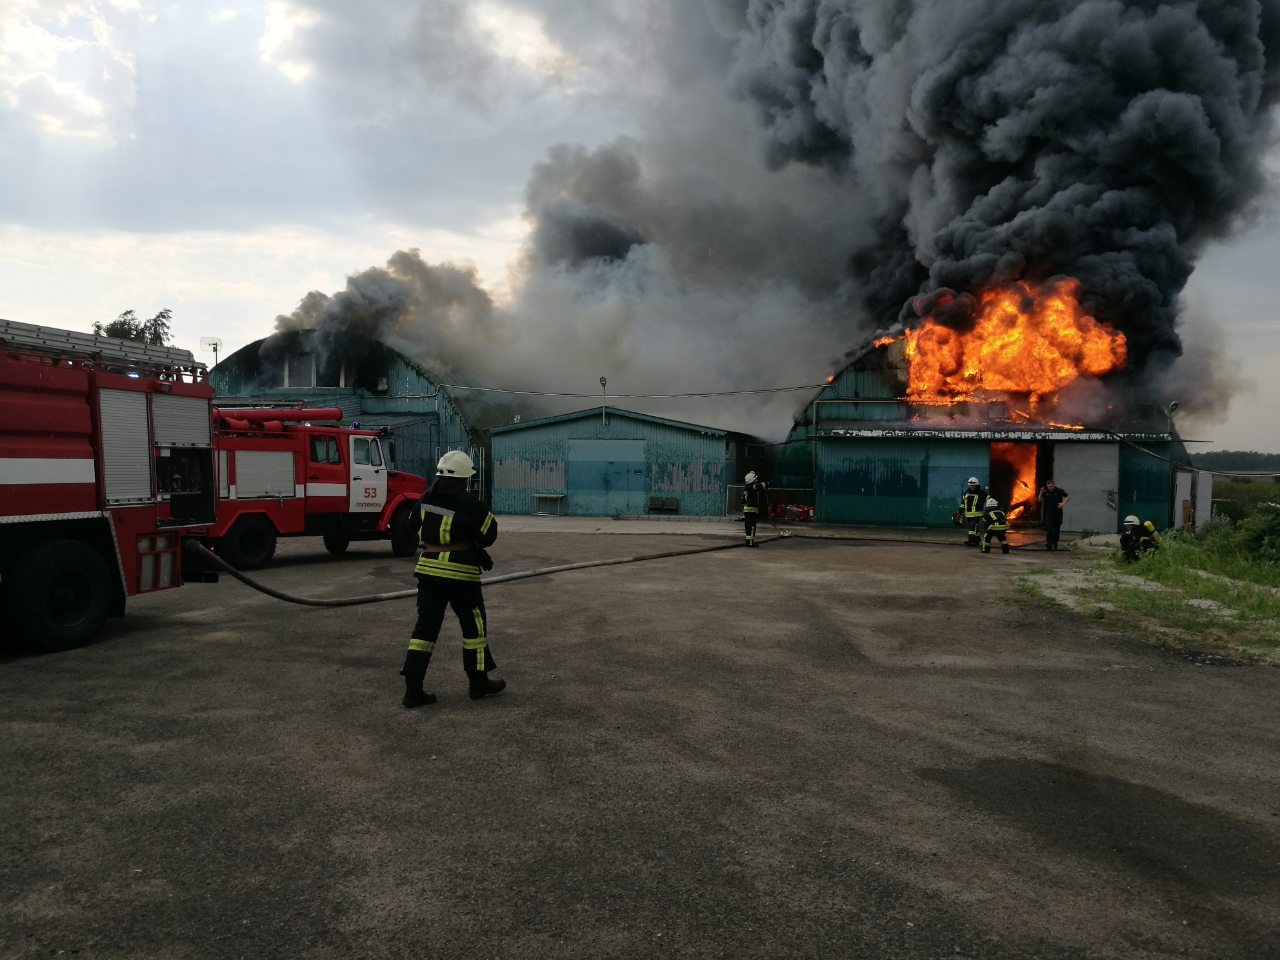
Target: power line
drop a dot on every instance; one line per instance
(1190, 466)
(609, 396)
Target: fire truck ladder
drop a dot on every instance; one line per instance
(64, 342)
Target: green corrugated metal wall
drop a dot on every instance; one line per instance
(1146, 483)
(681, 463)
(894, 481)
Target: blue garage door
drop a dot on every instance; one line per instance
(606, 477)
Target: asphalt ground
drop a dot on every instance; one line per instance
(866, 747)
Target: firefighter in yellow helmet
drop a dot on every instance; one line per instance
(1138, 537)
(455, 529)
(755, 501)
(972, 501)
(995, 524)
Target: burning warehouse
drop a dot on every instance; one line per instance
(1014, 398)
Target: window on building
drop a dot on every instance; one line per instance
(300, 370)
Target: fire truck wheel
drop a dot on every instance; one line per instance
(336, 543)
(66, 590)
(249, 544)
(404, 535)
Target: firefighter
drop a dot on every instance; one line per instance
(755, 500)
(994, 524)
(1138, 538)
(455, 529)
(972, 502)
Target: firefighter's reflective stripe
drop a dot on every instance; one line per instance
(972, 505)
(440, 566)
(425, 646)
(476, 643)
(750, 509)
(488, 522)
(996, 520)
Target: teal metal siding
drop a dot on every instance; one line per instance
(894, 481)
(593, 466)
(1146, 483)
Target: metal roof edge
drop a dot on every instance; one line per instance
(616, 411)
(988, 434)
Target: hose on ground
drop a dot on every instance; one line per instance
(207, 556)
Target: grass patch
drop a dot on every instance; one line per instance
(1168, 599)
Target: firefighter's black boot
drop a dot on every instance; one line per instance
(480, 686)
(1004, 548)
(414, 672)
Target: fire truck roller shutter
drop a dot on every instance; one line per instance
(67, 590)
(181, 421)
(126, 446)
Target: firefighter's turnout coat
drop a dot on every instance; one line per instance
(995, 523)
(456, 528)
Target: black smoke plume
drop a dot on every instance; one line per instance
(1107, 140)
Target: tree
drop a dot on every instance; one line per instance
(127, 326)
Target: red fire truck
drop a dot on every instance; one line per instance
(106, 460)
(294, 472)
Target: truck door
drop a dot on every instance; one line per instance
(368, 476)
(326, 475)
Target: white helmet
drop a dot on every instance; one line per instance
(992, 502)
(455, 463)
(973, 480)
(751, 477)
(1132, 519)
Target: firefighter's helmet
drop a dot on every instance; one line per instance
(973, 481)
(751, 477)
(1131, 519)
(992, 502)
(455, 463)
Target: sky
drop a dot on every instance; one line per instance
(224, 160)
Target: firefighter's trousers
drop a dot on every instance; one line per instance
(435, 594)
(749, 519)
(974, 523)
(994, 534)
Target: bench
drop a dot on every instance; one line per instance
(548, 504)
(664, 505)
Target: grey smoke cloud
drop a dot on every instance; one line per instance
(801, 172)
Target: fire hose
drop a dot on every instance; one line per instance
(205, 555)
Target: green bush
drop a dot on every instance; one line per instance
(1237, 499)
(1260, 534)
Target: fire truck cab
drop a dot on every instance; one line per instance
(296, 472)
(106, 462)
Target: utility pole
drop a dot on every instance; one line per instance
(603, 421)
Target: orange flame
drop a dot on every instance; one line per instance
(1019, 459)
(1024, 339)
